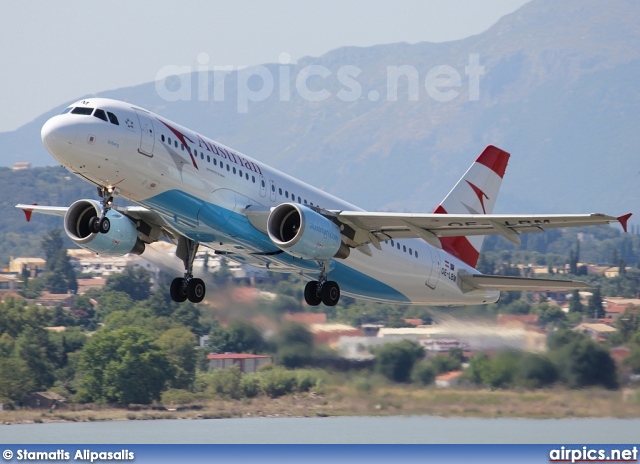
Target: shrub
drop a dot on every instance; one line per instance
(307, 379)
(226, 382)
(176, 396)
(423, 374)
(277, 382)
(535, 371)
(250, 385)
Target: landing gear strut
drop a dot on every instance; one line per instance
(187, 287)
(322, 290)
(102, 224)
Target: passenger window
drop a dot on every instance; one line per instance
(114, 120)
(182, 147)
(169, 140)
(299, 200)
(162, 137)
(100, 114)
(280, 191)
(175, 143)
(240, 172)
(247, 175)
(215, 161)
(234, 170)
(305, 201)
(253, 178)
(410, 252)
(82, 110)
(209, 159)
(398, 245)
(228, 166)
(404, 248)
(392, 244)
(416, 253)
(273, 188)
(286, 194)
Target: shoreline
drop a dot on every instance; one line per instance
(348, 401)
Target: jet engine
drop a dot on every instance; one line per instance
(121, 239)
(303, 233)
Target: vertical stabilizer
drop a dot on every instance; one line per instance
(475, 193)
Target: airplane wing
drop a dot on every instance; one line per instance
(510, 283)
(51, 210)
(371, 227)
(133, 212)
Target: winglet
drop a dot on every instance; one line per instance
(28, 212)
(623, 220)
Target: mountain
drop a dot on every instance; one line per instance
(558, 90)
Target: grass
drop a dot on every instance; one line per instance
(350, 399)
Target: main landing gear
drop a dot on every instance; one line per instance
(187, 287)
(102, 224)
(322, 290)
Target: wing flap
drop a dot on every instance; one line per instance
(510, 283)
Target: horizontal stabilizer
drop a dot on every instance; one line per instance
(509, 283)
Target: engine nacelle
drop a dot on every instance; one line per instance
(303, 233)
(121, 239)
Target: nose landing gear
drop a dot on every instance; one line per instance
(102, 224)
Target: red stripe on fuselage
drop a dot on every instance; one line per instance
(183, 139)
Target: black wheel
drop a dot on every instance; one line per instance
(104, 225)
(178, 290)
(330, 293)
(94, 224)
(195, 290)
(311, 295)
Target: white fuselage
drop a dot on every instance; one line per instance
(202, 190)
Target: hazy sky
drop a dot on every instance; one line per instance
(53, 52)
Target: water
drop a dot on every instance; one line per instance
(362, 430)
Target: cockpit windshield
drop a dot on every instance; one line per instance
(106, 116)
(82, 110)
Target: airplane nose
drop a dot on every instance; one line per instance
(58, 134)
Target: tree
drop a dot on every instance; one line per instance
(423, 373)
(535, 371)
(575, 304)
(179, 346)
(16, 379)
(583, 363)
(478, 369)
(59, 275)
(551, 315)
(395, 360)
(123, 366)
(134, 282)
(595, 308)
(295, 345)
(31, 346)
(112, 301)
(239, 337)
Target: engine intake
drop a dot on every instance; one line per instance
(121, 239)
(303, 233)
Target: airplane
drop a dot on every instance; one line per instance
(194, 191)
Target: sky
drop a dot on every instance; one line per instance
(53, 52)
